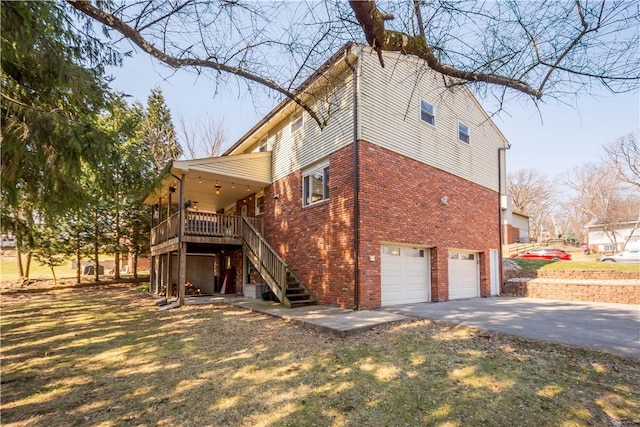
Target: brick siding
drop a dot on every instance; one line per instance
(399, 203)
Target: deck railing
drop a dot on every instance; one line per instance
(201, 223)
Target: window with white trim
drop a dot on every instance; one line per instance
(296, 123)
(263, 145)
(260, 203)
(427, 112)
(315, 185)
(463, 133)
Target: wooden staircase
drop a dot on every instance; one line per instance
(280, 279)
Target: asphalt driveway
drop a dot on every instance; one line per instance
(614, 328)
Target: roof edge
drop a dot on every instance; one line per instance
(282, 104)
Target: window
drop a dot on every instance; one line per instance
(315, 185)
(296, 123)
(260, 203)
(390, 250)
(263, 145)
(427, 113)
(463, 132)
(467, 256)
(414, 252)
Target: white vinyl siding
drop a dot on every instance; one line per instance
(390, 117)
(292, 152)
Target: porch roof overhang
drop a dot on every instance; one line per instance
(237, 176)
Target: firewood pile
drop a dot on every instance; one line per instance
(189, 289)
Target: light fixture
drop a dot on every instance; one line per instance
(248, 189)
(217, 187)
(199, 180)
(233, 185)
(194, 205)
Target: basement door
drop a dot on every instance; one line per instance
(405, 275)
(464, 275)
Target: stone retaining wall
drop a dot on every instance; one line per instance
(574, 285)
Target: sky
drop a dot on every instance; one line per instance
(554, 139)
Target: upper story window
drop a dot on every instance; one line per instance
(263, 145)
(463, 133)
(427, 112)
(296, 123)
(315, 185)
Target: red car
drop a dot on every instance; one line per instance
(553, 254)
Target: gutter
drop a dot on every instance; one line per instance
(356, 184)
(500, 232)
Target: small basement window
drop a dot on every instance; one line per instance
(463, 133)
(427, 113)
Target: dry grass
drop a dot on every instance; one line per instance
(107, 357)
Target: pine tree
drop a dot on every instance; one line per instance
(158, 132)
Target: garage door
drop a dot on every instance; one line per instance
(405, 276)
(464, 279)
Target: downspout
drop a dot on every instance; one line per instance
(500, 232)
(180, 230)
(356, 183)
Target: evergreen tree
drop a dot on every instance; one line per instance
(158, 132)
(52, 91)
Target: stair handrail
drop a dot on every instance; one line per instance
(275, 266)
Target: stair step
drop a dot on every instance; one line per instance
(298, 297)
(301, 303)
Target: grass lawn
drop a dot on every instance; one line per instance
(534, 264)
(108, 357)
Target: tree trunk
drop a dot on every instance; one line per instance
(78, 266)
(96, 254)
(135, 265)
(27, 267)
(19, 260)
(117, 254)
(53, 273)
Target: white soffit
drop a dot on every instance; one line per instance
(253, 166)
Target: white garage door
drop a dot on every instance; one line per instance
(405, 275)
(464, 278)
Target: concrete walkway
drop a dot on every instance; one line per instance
(613, 328)
(340, 321)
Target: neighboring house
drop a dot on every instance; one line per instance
(515, 226)
(395, 201)
(8, 241)
(613, 237)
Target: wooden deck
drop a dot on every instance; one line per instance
(199, 227)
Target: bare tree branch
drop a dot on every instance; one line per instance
(381, 39)
(544, 48)
(135, 36)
